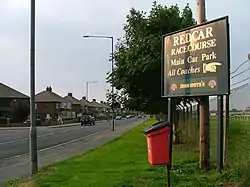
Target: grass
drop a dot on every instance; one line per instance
(123, 162)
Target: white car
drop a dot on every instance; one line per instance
(128, 116)
(118, 118)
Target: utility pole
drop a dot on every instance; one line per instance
(87, 90)
(112, 89)
(33, 131)
(204, 106)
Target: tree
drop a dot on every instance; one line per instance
(19, 110)
(138, 55)
(114, 101)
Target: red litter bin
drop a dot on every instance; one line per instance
(159, 143)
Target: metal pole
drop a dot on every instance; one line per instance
(220, 133)
(112, 89)
(33, 130)
(87, 90)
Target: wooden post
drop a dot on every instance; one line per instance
(226, 132)
(204, 106)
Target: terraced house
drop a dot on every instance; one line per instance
(14, 105)
(75, 105)
(51, 104)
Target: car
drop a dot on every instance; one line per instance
(139, 116)
(118, 118)
(129, 116)
(87, 120)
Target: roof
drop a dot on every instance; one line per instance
(85, 102)
(49, 97)
(104, 105)
(97, 105)
(8, 92)
(72, 100)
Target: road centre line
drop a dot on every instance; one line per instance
(23, 139)
(58, 145)
(40, 136)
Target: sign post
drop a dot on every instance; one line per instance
(196, 64)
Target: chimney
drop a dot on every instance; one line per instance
(102, 102)
(48, 89)
(94, 100)
(70, 94)
(84, 97)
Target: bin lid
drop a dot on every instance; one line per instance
(157, 126)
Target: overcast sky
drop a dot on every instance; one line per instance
(65, 61)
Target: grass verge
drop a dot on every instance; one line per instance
(123, 162)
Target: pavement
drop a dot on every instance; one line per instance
(54, 144)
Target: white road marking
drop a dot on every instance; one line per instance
(58, 145)
(23, 139)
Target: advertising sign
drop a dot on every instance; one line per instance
(196, 60)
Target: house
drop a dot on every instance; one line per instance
(75, 105)
(96, 105)
(13, 104)
(105, 107)
(52, 104)
(87, 107)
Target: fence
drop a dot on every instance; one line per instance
(186, 117)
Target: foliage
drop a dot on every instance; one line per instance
(114, 100)
(138, 54)
(19, 111)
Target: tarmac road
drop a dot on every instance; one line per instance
(54, 144)
(16, 142)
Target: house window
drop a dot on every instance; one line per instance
(65, 105)
(35, 106)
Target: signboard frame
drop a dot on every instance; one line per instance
(226, 54)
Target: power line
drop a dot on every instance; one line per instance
(241, 81)
(240, 73)
(239, 67)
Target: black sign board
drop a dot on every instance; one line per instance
(196, 60)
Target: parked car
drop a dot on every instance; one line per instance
(118, 118)
(87, 120)
(139, 116)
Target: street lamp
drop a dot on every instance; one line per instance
(112, 70)
(33, 130)
(87, 88)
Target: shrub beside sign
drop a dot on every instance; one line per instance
(196, 60)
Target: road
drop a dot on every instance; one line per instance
(54, 144)
(16, 142)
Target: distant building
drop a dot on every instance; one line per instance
(75, 105)
(13, 104)
(48, 102)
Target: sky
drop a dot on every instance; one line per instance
(65, 61)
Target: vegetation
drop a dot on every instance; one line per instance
(138, 55)
(123, 162)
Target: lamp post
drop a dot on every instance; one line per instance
(33, 130)
(112, 69)
(87, 88)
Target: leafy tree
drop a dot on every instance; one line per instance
(138, 54)
(115, 101)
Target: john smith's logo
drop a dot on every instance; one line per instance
(173, 87)
(212, 83)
